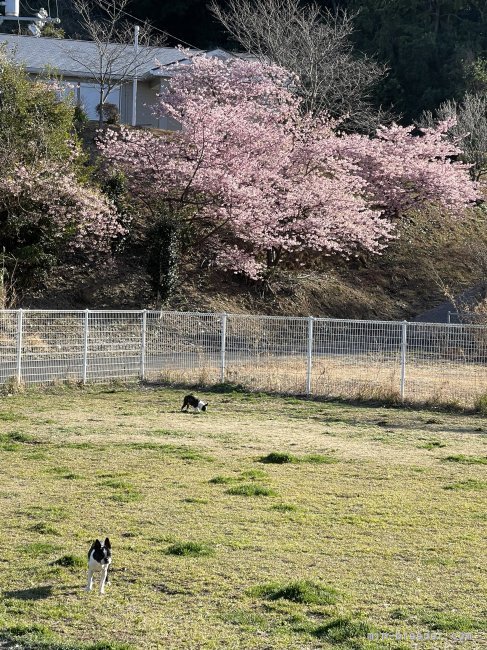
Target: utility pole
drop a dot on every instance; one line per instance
(134, 82)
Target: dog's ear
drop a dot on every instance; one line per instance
(97, 543)
(107, 543)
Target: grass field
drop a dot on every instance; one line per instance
(363, 521)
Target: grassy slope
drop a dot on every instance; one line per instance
(392, 524)
(431, 252)
(432, 255)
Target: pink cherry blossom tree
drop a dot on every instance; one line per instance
(48, 206)
(256, 182)
(49, 200)
(404, 170)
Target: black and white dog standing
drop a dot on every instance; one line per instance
(195, 402)
(99, 559)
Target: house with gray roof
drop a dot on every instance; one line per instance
(77, 61)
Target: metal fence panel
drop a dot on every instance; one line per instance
(51, 346)
(113, 345)
(8, 344)
(446, 363)
(183, 347)
(356, 358)
(267, 353)
(419, 362)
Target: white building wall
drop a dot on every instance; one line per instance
(89, 94)
(90, 98)
(147, 99)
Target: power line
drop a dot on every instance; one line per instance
(126, 13)
(194, 47)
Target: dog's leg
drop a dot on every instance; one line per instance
(103, 579)
(89, 586)
(107, 579)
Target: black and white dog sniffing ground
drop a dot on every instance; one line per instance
(195, 402)
(99, 560)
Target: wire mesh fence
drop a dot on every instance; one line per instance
(416, 362)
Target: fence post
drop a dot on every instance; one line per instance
(20, 325)
(85, 346)
(309, 355)
(223, 347)
(142, 344)
(404, 345)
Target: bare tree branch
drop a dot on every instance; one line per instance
(116, 59)
(470, 128)
(313, 44)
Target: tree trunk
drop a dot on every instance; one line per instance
(100, 106)
(273, 256)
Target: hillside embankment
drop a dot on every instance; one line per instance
(432, 258)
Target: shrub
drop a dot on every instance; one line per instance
(80, 119)
(110, 113)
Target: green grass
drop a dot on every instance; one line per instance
(302, 591)
(203, 556)
(284, 507)
(342, 629)
(452, 622)
(70, 561)
(278, 458)
(281, 458)
(11, 417)
(467, 460)
(252, 490)
(467, 484)
(319, 459)
(44, 529)
(36, 549)
(190, 549)
(222, 480)
(432, 444)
